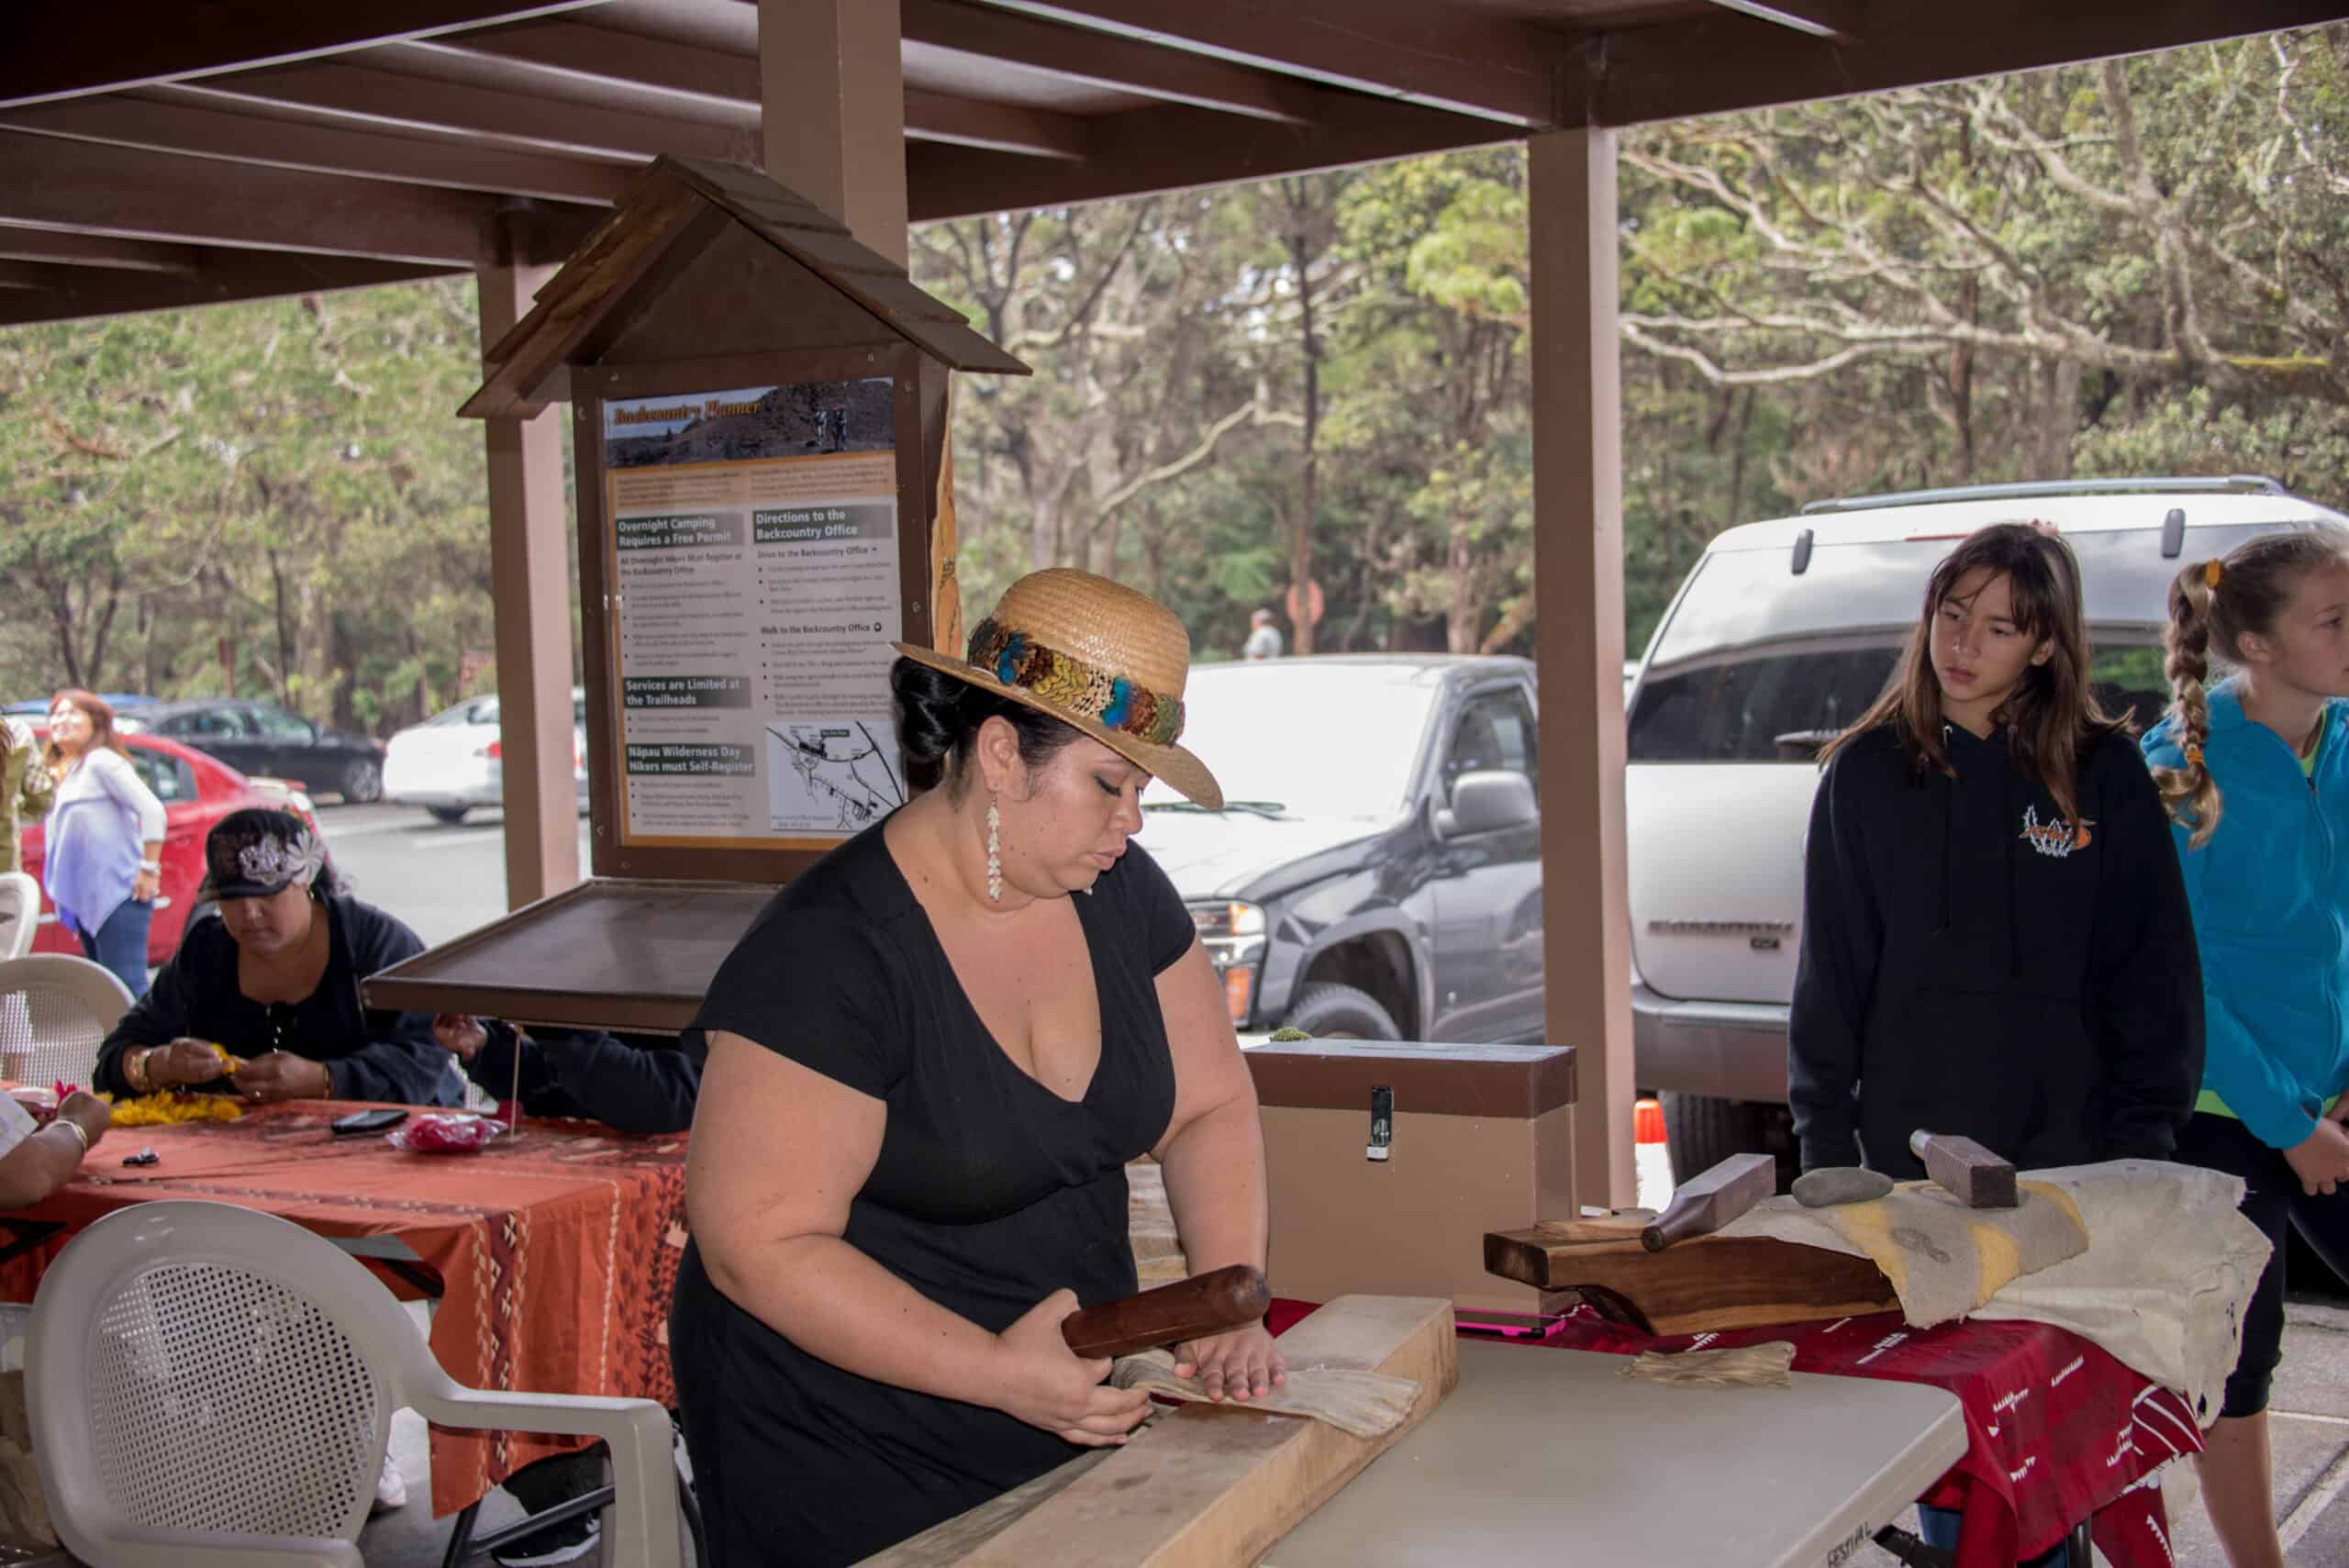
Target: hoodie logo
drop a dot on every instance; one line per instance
(2054, 839)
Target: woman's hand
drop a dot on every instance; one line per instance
(1241, 1364)
(2322, 1159)
(93, 1114)
(460, 1034)
(282, 1076)
(1040, 1380)
(145, 887)
(182, 1061)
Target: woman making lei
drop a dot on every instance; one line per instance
(929, 1065)
(274, 981)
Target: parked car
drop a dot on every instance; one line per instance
(1377, 869)
(117, 701)
(263, 740)
(197, 791)
(1783, 633)
(454, 760)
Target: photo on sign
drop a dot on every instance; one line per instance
(830, 776)
(805, 419)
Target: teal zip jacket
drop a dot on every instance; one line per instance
(2270, 893)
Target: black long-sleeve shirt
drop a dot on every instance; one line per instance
(1972, 963)
(370, 1054)
(635, 1083)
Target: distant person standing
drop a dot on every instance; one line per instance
(26, 789)
(102, 861)
(1264, 637)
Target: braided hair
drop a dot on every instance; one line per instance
(2218, 603)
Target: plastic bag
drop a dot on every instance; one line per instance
(444, 1133)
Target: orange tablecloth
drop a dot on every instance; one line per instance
(554, 1250)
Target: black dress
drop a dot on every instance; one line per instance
(990, 1192)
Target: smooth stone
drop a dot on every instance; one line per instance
(1839, 1185)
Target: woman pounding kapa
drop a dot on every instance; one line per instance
(929, 1065)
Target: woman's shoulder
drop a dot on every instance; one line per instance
(372, 932)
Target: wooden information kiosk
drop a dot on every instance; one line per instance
(765, 503)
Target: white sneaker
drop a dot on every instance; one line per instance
(391, 1492)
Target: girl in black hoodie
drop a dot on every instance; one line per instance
(1996, 939)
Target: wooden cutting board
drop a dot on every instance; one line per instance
(1205, 1487)
(1705, 1283)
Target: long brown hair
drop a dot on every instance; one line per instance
(99, 712)
(2221, 602)
(2052, 718)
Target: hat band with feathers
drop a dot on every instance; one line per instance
(1016, 659)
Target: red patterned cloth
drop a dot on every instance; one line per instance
(554, 1250)
(2057, 1431)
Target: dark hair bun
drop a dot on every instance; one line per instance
(932, 715)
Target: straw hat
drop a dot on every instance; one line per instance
(1095, 655)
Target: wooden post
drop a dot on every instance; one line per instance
(1579, 594)
(833, 117)
(530, 542)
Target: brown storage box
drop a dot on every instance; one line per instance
(1482, 1141)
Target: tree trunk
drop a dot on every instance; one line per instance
(1300, 544)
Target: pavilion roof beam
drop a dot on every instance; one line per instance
(91, 251)
(1438, 56)
(1106, 60)
(200, 122)
(127, 192)
(1710, 66)
(55, 51)
(1818, 19)
(1176, 147)
(82, 293)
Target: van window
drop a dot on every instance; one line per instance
(1759, 665)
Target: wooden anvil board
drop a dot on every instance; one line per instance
(1207, 1486)
(1702, 1284)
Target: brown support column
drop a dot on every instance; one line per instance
(529, 541)
(833, 89)
(1578, 591)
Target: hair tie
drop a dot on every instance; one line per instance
(2194, 756)
(2213, 570)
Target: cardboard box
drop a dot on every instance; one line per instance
(1480, 1138)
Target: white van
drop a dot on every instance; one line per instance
(1783, 633)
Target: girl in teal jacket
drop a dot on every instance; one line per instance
(2256, 771)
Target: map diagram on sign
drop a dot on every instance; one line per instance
(830, 776)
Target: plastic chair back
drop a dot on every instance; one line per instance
(55, 1011)
(19, 914)
(209, 1386)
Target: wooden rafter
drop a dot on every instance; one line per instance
(1438, 55)
(1175, 147)
(203, 123)
(1818, 19)
(71, 51)
(77, 293)
(1106, 60)
(91, 251)
(1724, 61)
(126, 192)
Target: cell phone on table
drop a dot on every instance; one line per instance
(367, 1121)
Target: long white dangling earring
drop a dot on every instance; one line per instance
(995, 852)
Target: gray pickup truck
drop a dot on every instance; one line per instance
(1377, 869)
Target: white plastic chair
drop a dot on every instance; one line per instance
(19, 914)
(212, 1387)
(55, 1011)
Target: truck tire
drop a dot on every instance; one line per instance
(1328, 1011)
(1700, 1132)
(449, 814)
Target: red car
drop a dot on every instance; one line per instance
(197, 791)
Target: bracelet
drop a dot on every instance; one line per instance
(134, 1068)
(69, 1125)
(151, 866)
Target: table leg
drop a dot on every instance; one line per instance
(460, 1535)
(31, 1233)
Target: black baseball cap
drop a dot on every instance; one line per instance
(258, 852)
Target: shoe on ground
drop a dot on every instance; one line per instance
(391, 1492)
(573, 1540)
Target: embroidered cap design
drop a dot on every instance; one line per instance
(1066, 681)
